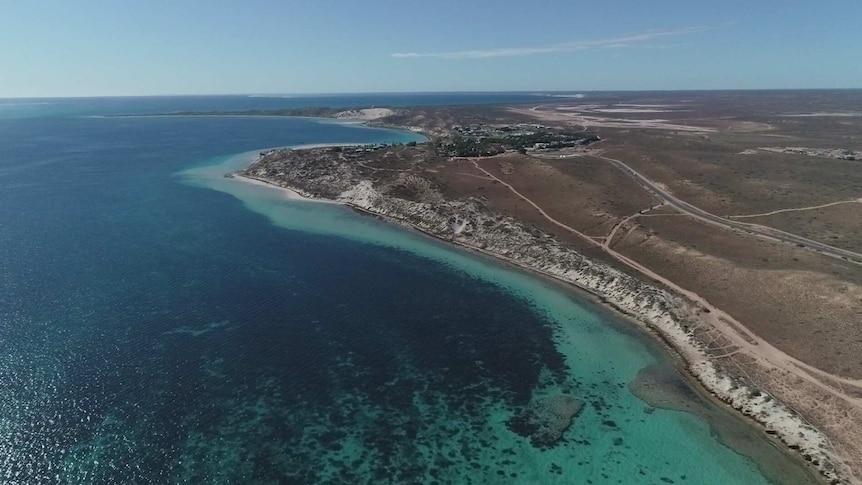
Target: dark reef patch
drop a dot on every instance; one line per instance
(544, 421)
(319, 374)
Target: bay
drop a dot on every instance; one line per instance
(161, 324)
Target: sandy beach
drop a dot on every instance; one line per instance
(288, 193)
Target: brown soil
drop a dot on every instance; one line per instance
(838, 225)
(805, 304)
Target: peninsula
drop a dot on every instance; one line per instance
(727, 224)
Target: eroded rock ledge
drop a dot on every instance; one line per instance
(407, 198)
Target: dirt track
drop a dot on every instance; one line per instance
(757, 347)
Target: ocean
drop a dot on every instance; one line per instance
(160, 323)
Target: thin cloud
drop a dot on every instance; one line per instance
(633, 40)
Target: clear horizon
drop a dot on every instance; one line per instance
(396, 93)
(98, 49)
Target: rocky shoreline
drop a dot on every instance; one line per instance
(469, 223)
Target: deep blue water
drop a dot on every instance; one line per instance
(28, 107)
(154, 330)
(77, 107)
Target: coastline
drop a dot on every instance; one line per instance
(676, 358)
(293, 193)
(289, 193)
(654, 310)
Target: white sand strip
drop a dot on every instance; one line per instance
(289, 193)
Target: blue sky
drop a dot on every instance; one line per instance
(124, 47)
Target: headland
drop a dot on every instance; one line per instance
(577, 192)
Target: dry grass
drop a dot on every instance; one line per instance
(838, 225)
(805, 304)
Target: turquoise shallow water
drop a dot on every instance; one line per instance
(163, 324)
(616, 440)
